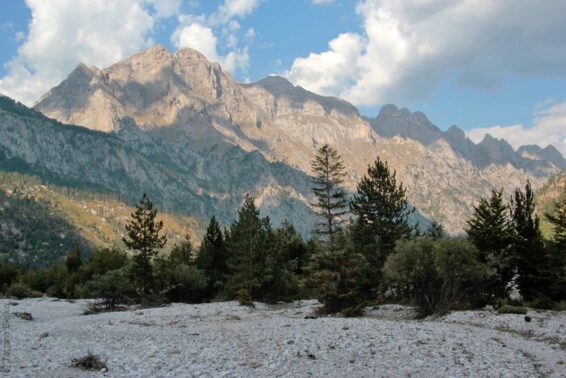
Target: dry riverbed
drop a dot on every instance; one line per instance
(228, 340)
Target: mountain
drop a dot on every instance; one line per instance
(180, 174)
(212, 136)
(549, 153)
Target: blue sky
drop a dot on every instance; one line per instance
(486, 66)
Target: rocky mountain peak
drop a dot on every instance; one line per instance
(280, 87)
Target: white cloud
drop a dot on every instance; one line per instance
(208, 33)
(63, 33)
(165, 8)
(234, 8)
(198, 37)
(549, 127)
(408, 46)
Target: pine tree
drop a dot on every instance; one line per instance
(528, 244)
(336, 278)
(212, 256)
(382, 211)
(245, 243)
(331, 202)
(558, 221)
(143, 238)
(491, 232)
(183, 253)
(435, 231)
(556, 266)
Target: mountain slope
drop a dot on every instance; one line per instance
(181, 175)
(186, 105)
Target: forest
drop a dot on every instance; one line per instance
(363, 251)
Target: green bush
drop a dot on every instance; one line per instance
(244, 298)
(436, 276)
(19, 290)
(543, 303)
(512, 310)
(178, 281)
(8, 274)
(112, 288)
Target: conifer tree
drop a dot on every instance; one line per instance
(73, 260)
(558, 221)
(212, 256)
(183, 253)
(556, 266)
(143, 238)
(528, 244)
(435, 231)
(245, 244)
(336, 278)
(331, 202)
(382, 211)
(491, 232)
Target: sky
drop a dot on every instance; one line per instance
(487, 66)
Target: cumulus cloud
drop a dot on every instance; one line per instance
(208, 33)
(63, 33)
(408, 46)
(549, 127)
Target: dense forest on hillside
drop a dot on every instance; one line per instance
(363, 251)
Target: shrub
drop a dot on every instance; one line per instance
(244, 299)
(8, 274)
(89, 362)
(19, 290)
(178, 281)
(436, 276)
(512, 310)
(112, 288)
(543, 303)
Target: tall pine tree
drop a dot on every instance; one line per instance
(331, 202)
(491, 232)
(212, 256)
(382, 218)
(245, 243)
(143, 238)
(335, 269)
(528, 244)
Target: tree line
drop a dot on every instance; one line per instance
(363, 251)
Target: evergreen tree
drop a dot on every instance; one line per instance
(491, 232)
(73, 260)
(183, 253)
(558, 221)
(382, 211)
(212, 256)
(331, 203)
(336, 277)
(245, 243)
(556, 266)
(528, 244)
(143, 237)
(435, 231)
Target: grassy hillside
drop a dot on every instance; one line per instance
(40, 223)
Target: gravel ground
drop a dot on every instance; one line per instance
(227, 340)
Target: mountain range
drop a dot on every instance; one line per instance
(178, 127)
